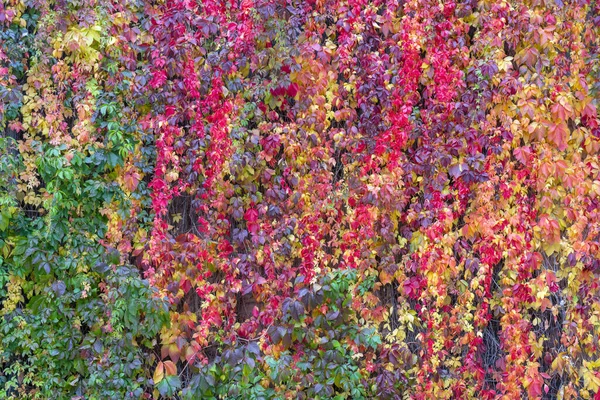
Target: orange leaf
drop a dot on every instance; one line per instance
(170, 368)
(559, 135)
(131, 180)
(533, 382)
(384, 277)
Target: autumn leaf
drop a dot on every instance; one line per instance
(131, 180)
(159, 373)
(559, 135)
(170, 368)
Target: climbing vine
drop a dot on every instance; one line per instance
(300, 199)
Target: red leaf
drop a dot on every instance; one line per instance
(251, 215)
(523, 154)
(292, 90)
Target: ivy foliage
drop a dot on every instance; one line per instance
(300, 199)
(77, 319)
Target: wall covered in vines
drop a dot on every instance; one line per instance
(285, 199)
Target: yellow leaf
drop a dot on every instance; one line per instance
(159, 373)
(505, 64)
(590, 380)
(551, 248)
(176, 218)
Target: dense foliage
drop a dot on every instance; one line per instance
(257, 199)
